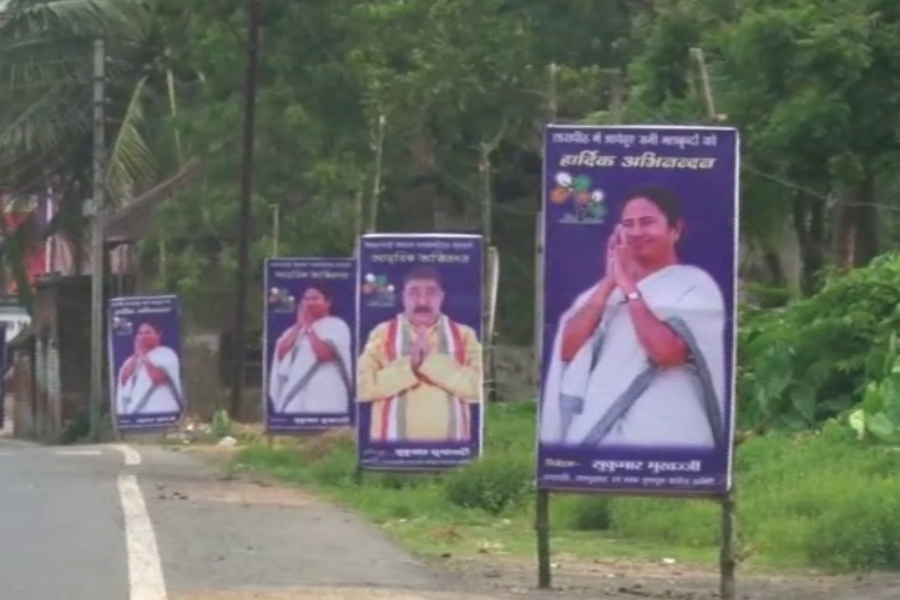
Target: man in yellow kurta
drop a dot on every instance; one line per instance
(421, 371)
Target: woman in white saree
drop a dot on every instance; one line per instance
(639, 358)
(311, 365)
(149, 381)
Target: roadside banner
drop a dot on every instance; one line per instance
(310, 315)
(640, 278)
(420, 381)
(146, 379)
(5, 360)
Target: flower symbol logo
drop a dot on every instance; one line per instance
(592, 207)
(571, 187)
(122, 326)
(379, 289)
(588, 204)
(281, 298)
(376, 284)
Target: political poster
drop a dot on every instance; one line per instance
(310, 318)
(419, 376)
(6, 362)
(146, 377)
(640, 238)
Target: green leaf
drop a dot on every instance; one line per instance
(891, 399)
(130, 167)
(857, 422)
(803, 399)
(881, 426)
(873, 400)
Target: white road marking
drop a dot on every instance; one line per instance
(145, 574)
(78, 452)
(132, 456)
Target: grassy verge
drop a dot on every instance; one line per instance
(819, 500)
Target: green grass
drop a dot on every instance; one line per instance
(816, 500)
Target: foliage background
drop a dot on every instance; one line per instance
(379, 113)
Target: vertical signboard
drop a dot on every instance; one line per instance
(308, 341)
(6, 363)
(420, 379)
(640, 274)
(146, 379)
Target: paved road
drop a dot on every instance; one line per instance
(116, 523)
(263, 540)
(60, 524)
(127, 523)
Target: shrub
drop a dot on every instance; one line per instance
(397, 481)
(78, 429)
(863, 533)
(819, 498)
(690, 523)
(323, 444)
(337, 469)
(585, 513)
(280, 462)
(810, 360)
(491, 484)
(221, 424)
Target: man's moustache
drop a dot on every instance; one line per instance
(424, 310)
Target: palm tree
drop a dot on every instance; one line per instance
(46, 106)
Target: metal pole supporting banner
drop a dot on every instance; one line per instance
(727, 558)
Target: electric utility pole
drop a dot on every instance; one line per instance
(244, 225)
(97, 211)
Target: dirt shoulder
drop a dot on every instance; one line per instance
(620, 580)
(350, 552)
(226, 536)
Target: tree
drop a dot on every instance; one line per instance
(811, 86)
(46, 51)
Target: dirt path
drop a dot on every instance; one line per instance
(621, 580)
(262, 541)
(240, 538)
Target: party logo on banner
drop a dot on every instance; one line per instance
(281, 300)
(378, 291)
(583, 202)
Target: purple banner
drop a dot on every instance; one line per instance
(308, 339)
(5, 360)
(640, 272)
(419, 375)
(146, 379)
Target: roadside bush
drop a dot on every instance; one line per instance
(78, 429)
(810, 360)
(492, 484)
(585, 513)
(398, 481)
(330, 458)
(818, 498)
(221, 425)
(862, 533)
(278, 462)
(688, 523)
(337, 468)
